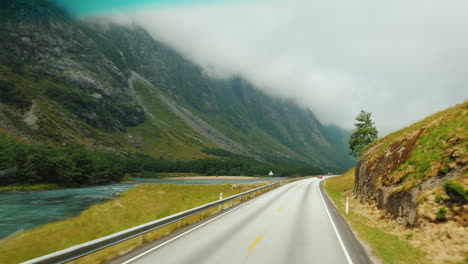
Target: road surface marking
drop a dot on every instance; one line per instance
(191, 230)
(279, 210)
(348, 258)
(255, 242)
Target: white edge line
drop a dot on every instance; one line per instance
(348, 258)
(188, 231)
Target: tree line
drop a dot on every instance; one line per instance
(66, 165)
(74, 165)
(233, 165)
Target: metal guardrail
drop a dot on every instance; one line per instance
(87, 248)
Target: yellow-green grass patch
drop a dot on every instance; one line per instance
(452, 111)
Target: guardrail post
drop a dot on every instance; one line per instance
(347, 204)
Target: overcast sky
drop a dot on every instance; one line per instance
(400, 60)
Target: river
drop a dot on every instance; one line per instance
(28, 209)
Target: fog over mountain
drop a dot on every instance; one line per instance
(399, 60)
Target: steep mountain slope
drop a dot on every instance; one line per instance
(115, 87)
(419, 176)
(43, 46)
(271, 128)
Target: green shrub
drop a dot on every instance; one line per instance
(456, 192)
(441, 214)
(14, 94)
(127, 177)
(438, 198)
(217, 152)
(444, 170)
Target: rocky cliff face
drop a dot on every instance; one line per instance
(46, 44)
(408, 172)
(65, 81)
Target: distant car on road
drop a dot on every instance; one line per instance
(320, 177)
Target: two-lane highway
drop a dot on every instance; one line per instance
(290, 224)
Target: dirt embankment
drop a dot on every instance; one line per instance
(372, 170)
(396, 172)
(419, 177)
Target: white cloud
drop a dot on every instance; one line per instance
(400, 60)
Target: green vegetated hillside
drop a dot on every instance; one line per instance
(115, 88)
(254, 123)
(419, 177)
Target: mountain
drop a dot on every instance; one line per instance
(115, 88)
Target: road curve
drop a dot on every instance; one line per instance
(290, 224)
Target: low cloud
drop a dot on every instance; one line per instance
(400, 60)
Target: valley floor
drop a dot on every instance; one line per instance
(133, 207)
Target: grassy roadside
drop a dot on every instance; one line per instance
(386, 246)
(136, 206)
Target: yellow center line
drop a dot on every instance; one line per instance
(255, 242)
(279, 210)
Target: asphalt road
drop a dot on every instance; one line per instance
(290, 224)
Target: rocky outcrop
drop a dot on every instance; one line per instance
(371, 172)
(394, 172)
(51, 47)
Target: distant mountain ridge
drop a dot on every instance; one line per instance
(114, 87)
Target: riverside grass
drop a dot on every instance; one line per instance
(387, 247)
(34, 187)
(135, 206)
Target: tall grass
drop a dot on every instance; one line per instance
(455, 110)
(387, 247)
(439, 135)
(136, 206)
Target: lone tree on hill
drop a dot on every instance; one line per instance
(363, 134)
